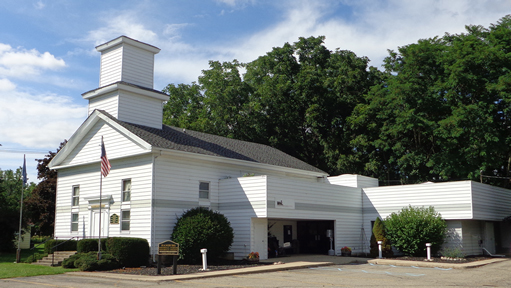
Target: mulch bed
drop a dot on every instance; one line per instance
(187, 269)
(438, 259)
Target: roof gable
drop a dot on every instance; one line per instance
(84, 146)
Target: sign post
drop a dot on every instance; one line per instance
(168, 248)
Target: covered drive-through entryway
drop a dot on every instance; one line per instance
(287, 236)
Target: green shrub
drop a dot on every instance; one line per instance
(88, 245)
(130, 252)
(35, 257)
(89, 262)
(202, 228)
(380, 235)
(452, 252)
(70, 262)
(67, 246)
(413, 227)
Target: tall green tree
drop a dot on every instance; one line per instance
(40, 205)
(10, 198)
(295, 98)
(442, 111)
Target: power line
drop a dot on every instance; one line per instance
(23, 151)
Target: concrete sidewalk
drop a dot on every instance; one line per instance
(288, 263)
(436, 264)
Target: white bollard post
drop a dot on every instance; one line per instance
(204, 259)
(379, 250)
(428, 250)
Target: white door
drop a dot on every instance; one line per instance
(95, 224)
(260, 237)
(489, 237)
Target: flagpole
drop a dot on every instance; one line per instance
(100, 195)
(24, 180)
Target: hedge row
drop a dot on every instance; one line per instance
(129, 252)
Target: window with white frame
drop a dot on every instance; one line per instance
(125, 220)
(76, 195)
(126, 190)
(204, 190)
(74, 222)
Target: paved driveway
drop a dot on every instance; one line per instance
(493, 275)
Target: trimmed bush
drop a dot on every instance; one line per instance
(68, 246)
(35, 257)
(202, 228)
(89, 262)
(380, 235)
(70, 262)
(130, 252)
(413, 227)
(88, 245)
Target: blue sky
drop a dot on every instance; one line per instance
(47, 55)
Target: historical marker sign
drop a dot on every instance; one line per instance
(168, 248)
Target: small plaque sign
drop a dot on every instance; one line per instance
(168, 248)
(114, 219)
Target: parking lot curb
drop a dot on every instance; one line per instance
(436, 264)
(200, 275)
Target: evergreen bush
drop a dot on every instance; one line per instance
(88, 245)
(413, 227)
(200, 228)
(70, 262)
(380, 235)
(69, 245)
(89, 262)
(130, 252)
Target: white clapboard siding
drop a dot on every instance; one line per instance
(138, 66)
(139, 109)
(177, 189)
(240, 200)
(353, 180)
(451, 199)
(319, 201)
(472, 234)
(111, 66)
(490, 203)
(127, 63)
(89, 148)
(107, 102)
(454, 238)
(87, 177)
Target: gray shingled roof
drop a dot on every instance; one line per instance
(207, 144)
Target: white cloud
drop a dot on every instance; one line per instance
(38, 120)
(124, 24)
(20, 63)
(6, 85)
(39, 5)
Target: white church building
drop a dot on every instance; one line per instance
(270, 198)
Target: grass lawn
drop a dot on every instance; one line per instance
(9, 269)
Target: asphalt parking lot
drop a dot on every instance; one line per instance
(351, 275)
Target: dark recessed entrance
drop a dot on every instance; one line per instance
(312, 236)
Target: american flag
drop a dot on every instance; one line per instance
(105, 164)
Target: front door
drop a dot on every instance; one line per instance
(95, 224)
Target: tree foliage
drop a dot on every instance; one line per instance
(295, 98)
(410, 229)
(10, 198)
(442, 111)
(380, 235)
(41, 203)
(439, 111)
